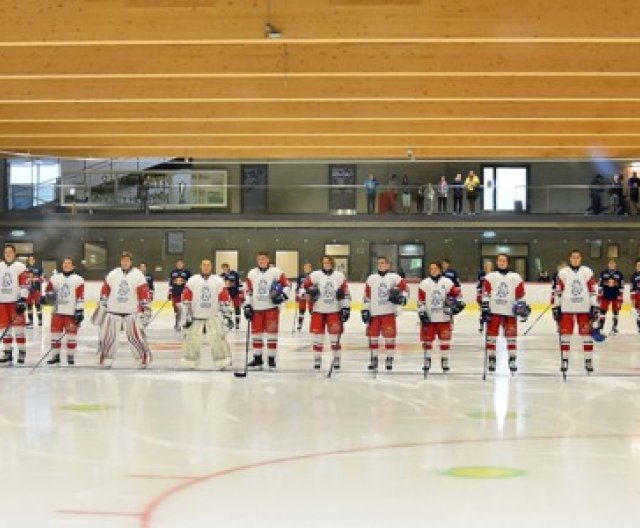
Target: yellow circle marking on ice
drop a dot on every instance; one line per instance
(484, 472)
(490, 415)
(88, 407)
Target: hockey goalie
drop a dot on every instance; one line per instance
(205, 298)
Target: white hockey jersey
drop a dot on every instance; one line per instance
(258, 287)
(376, 293)
(328, 285)
(69, 292)
(203, 296)
(14, 280)
(431, 296)
(125, 291)
(502, 290)
(576, 290)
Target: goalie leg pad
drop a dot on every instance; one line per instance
(137, 341)
(108, 340)
(220, 349)
(192, 343)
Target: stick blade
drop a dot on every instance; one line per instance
(240, 374)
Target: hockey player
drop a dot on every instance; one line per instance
(303, 300)
(123, 296)
(635, 293)
(203, 297)
(610, 291)
(576, 302)
(503, 300)
(450, 273)
(177, 279)
(148, 276)
(329, 292)
(232, 282)
(266, 289)
(65, 293)
(438, 301)
(487, 268)
(14, 290)
(384, 293)
(34, 300)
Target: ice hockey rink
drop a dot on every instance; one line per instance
(166, 448)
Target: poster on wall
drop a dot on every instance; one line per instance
(254, 188)
(342, 188)
(175, 242)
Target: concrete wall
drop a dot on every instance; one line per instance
(461, 244)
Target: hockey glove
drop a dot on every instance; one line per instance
(79, 316)
(424, 317)
(248, 312)
(314, 293)
(277, 294)
(50, 299)
(345, 313)
(594, 313)
(484, 311)
(396, 297)
(556, 313)
(522, 310)
(340, 295)
(21, 306)
(366, 316)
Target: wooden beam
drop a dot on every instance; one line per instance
(232, 19)
(321, 88)
(309, 111)
(290, 59)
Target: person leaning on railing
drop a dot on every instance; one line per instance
(472, 186)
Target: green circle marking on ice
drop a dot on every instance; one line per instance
(483, 472)
(88, 407)
(490, 415)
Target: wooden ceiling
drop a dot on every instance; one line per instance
(354, 79)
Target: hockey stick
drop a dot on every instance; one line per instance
(295, 317)
(564, 371)
(243, 373)
(54, 343)
(486, 353)
(537, 319)
(159, 310)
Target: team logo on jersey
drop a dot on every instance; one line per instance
(576, 288)
(502, 293)
(64, 294)
(437, 300)
(329, 293)
(263, 290)
(7, 282)
(123, 292)
(205, 297)
(383, 293)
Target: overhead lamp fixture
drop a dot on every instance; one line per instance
(271, 32)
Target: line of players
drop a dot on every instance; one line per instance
(125, 297)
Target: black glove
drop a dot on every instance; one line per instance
(484, 311)
(424, 317)
(21, 306)
(366, 316)
(344, 314)
(594, 313)
(556, 313)
(248, 312)
(79, 316)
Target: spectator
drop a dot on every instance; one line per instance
(458, 189)
(472, 186)
(371, 185)
(616, 193)
(596, 188)
(422, 189)
(634, 193)
(429, 195)
(406, 195)
(393, 194)
(443, 191)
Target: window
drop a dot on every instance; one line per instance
(505, 188)
(32, 183)
(412, 260)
